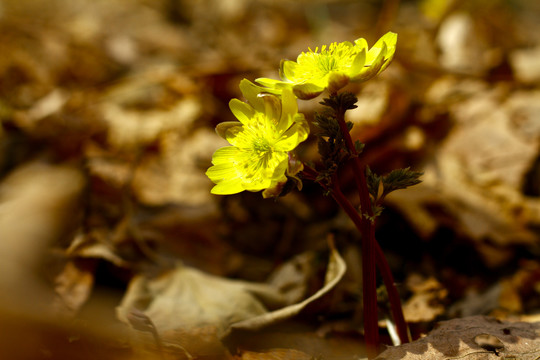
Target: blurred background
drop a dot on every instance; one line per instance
(107, 116)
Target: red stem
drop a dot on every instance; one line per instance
(369, 293)
(371, 326)
(382, 264)
(366, 209)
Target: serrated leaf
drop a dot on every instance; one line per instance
(359, 146)
(373, 181)
(400, 179)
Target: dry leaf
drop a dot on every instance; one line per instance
(459, 44)
(477, 303)
(186, 298)
(95, 245)
(519, 293)
(73, 287)
(511, 295)
(177, 174)
(37, 203)
(132, 128)
(274, 354)
(191, 310)
(291, 278)
(182, 301)
(525, 64)
(372, 102)
(472, 338)
(196, 343)
(477, 173)
(426, 303)
(334, 273)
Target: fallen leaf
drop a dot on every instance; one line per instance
(274, 354)
(372, 102)
(128, 128)
(176, 174)
(182, 301)
(525, 64)
(334, 273)
(73, 286)
(477, 303)
(186, 298)
(190, 310)
(471, 338)
(37, 204)
(476, 175)
(196, 343)
(95, 245)
(427, 301)
(459, 44)
(292, 277)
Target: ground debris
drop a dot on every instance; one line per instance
(476, 337)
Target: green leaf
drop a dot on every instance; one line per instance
(327, 124)
(373, 181)
(400, 179)
(359, 146)
(341, 101)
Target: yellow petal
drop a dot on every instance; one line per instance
(228, 187)
(272, 86)
(289, 108)
(336, 81)
(361, 43)
(297, 133)
(358, 62)
(287, 69)
(242, 111)
(222, 128)
(390, 39)
(272, 108)
(307, 91)
(222, 172)
(251, 93)
(226, 154)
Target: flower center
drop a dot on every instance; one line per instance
(259, 136)
(261, 145)
(336, 57)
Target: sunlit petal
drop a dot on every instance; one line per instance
(337, 80)
(251, 93)
(297, 133)
(269, 127)
(333, 66)
(307, 91)
(242, 111)
(288, 69)
(359, 61)
(272, 107)
(271, 85)
(228, 187)
(224, 127)
(289, 108)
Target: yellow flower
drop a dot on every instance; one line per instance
(333, 66)
(269, 127)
